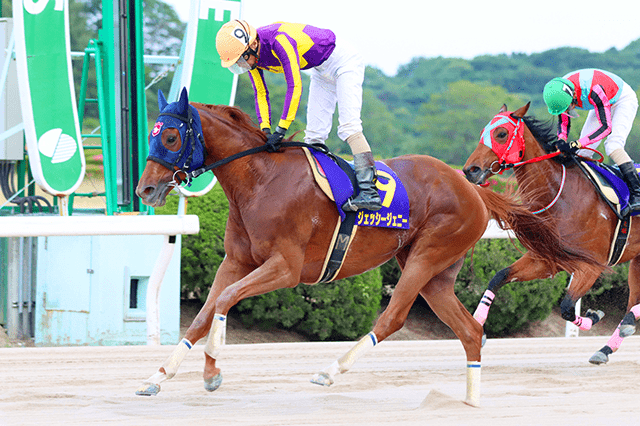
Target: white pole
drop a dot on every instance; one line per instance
(153, 289)
(572, 330)
(155, 281)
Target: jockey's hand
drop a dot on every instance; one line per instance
(276, 137)
(568, 147)
(267, 131)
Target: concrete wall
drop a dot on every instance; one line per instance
(91, 290)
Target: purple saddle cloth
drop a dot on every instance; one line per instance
(614, 178)
(395, 201)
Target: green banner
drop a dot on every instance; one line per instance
(47, 95)
(201, 72)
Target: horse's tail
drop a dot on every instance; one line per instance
(538, 235)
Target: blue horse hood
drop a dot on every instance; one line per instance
(186, 119)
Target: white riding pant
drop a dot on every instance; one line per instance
(338, 80)
(623, 112)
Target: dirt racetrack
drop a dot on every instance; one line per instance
(532, 381)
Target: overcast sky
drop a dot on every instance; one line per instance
(391, 33)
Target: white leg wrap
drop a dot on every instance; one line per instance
(217, 336)
(473, 383)
(348, 359)
(327, 377)
(156, 379)
(173, 362)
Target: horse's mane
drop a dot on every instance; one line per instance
(545, 133)
(236, 116)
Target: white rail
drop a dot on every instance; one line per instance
(50, 226)
(494, 231)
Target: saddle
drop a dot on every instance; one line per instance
(608, 182)
(336, 178)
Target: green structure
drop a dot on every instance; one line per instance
(51, 129)
(199, 69)
(119, 62)
(101, 286)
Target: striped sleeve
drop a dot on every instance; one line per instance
(263, 107)
(600, 101)
(287, 53)
(564, 124)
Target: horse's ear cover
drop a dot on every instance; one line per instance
(183, 102)
(162, 101)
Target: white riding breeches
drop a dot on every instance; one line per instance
(338, 80)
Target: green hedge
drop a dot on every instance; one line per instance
(347, 308)
(338, 310)
(515, 305)
(343, 309)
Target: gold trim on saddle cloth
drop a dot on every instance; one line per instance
(618, 242)
(339, 241)
(605, 187)
(321, 180)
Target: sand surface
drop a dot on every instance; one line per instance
(529, 381)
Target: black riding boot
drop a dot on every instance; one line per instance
(368, 197)
(630, 176)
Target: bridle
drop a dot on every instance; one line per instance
(517, 140)
(191, 144)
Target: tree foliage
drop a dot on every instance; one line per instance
(435, 106)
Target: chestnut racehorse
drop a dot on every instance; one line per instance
(280, 227)
(558, 190)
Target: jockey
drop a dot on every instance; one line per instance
(337, 73)
(612, 106)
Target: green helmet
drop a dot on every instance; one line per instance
(558, 95)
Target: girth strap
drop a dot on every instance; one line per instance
(346, 232)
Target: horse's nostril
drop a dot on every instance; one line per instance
(145, 190)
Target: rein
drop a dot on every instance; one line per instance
(266, 147)
(507, 166)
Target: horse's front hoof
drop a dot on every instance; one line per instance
(148, 389)
(627, 330)
(213, 383)
(628, 325)
(322, 379)
(599, 358)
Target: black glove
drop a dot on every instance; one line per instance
(267, 131)
(275, 138)
(568, 147)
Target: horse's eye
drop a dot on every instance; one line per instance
(171, 139)
(502, 135)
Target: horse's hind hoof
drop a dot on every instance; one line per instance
(599, 358)
(595, 315)
(148, 389)
(322, 379)
(213, 383)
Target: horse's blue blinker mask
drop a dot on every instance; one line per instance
(185, 118)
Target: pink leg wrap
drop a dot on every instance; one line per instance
(482, 311)
(583, 323)
(615, 341)
(636, 311)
